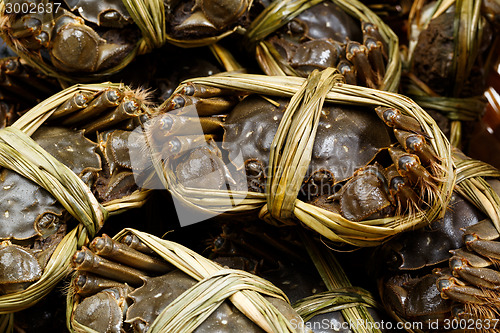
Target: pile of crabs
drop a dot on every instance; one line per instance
(204, 140)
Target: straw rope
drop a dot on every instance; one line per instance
(288, 209)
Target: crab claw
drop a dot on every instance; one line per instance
(358, 55)
(27, 26)
(364, 196)
(394, 118)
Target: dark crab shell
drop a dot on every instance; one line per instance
(29, 210)
(348, 137)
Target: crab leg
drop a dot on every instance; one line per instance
(408, 165)
(394, 118)
(203, 106)
(376, 57)
(480, 277)
(87, 284)
(179, 144)
(370, 30)
(480, 239)
(135, 243)
(416, 144)
(110, 98)
(358, 55)
(108, 248)
(401, 191)
(168, 124)
(85, 260)
(348, 71)
(128, 108)
(79, 101)
(450, 287)
(201, 90)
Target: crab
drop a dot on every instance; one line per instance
(359, 167)
(124, 286)
(324, 36)
(446, 272)
(59, 38)
(205, 18)
(433, 49)
(32, 221)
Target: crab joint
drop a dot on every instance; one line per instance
(85, 260)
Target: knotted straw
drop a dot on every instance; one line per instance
(23, 155)
(278, 205)
(353, 302)
(215, 285)
(468, 30)
(280, 13)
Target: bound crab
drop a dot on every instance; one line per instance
(366, 162)
(74, 37)
(130, 285)
(198, 19)
(445, 276)
(33, 222)
(325, 34)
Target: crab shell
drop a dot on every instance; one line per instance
(347, 138)
(202, 18)
(29, 210)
